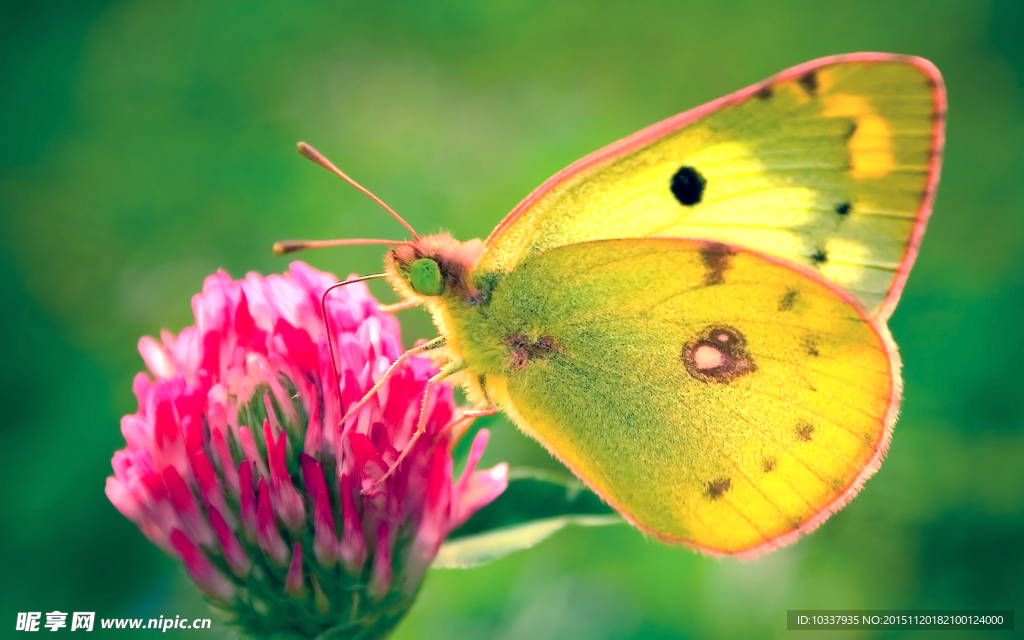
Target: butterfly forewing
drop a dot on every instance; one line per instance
(831, 165)
(715, 396)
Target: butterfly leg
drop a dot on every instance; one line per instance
(398, 306)
(421, 424)
(484, 408)
(480, 411)
(430, 345)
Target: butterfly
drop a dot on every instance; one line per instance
(693, 319)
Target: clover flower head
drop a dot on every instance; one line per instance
(239, 460)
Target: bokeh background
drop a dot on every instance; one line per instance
(144, 144)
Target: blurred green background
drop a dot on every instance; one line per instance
(146, 144)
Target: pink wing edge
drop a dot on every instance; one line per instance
(848, 492)
(665, 127)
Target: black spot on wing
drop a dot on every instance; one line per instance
(843, 209)
(765, 92)
(768, 465)
(718, 488)
(811, 347)
(521, 350)
(787, 300)
(687, 186)
(852, 130)
(819, 257)
(809, 82)
(717, 259)
(805, 432)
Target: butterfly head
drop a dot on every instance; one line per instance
(434, 266)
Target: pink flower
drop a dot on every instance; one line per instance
(239, 462)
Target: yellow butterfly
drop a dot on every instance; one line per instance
(693, 319)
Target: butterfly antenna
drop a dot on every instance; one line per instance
(327, 323)
(291, 246)
(314, 155)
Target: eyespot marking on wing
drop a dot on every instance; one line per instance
(688, 186)
(718, 355)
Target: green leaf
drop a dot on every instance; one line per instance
(535, 505)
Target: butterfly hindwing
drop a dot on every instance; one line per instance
(715, 396)
(831, 165)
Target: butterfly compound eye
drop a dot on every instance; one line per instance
(425, 277)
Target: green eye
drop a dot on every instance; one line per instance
(425, 277)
